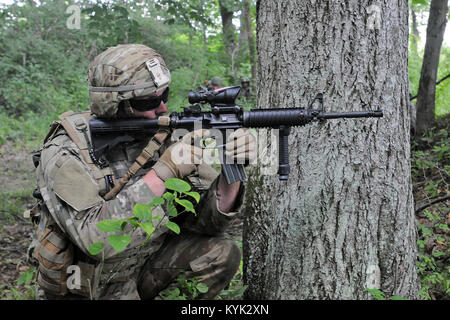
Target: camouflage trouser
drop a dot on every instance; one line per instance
(212, 261)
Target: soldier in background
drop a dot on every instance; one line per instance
(129, 81)
(214, 84)
(245, 89)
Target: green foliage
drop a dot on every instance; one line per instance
(429, 157)
(177, 185)
(96, 248)
(12, 203)
(43, 64)
(420, 4)
(377, 294)
(119, 242)
(194, 13)
(24, 288)
(144, 219)
(26, 277)
(115, 24)
(430, 169)
(442, 100)
(434, 275)
(443, 89)
(188, 288)
(380, 295)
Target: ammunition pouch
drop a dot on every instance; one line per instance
(55, 254)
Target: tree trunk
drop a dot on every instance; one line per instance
(251, 40)
(228, 29)
(427, 84)
(227, 26)
(415, 37)
(243, 37)
(344, 221)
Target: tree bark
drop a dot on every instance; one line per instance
(344, 221)
(427, 84)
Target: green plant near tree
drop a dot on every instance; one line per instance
(179, 194)
(144, 219)
(435, 275)
(24, 288)
(380, 295)
(188, 288)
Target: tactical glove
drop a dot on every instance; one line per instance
(241, 146)
(181, 158)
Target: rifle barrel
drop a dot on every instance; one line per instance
(292, 117)
(351, 114)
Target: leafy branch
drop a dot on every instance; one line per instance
(143, 217)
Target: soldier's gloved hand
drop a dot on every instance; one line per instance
(241, 146)
(181, 158)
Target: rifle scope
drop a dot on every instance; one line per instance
(225, 96)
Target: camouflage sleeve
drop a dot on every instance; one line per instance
(71, 195)
(209, 219)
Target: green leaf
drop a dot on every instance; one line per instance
(142, 212)
(132, 221)
(398, 298)
(202, 287)
(376, 293)
(25, 278)
(96, 248)
(438, 254)
(169, 196)
(119, 242)
(194, 195)
(171, 209)
(156, 202)
(110, 225)
(148, 227)
(186, 204)
(173, 226)
(177, 185)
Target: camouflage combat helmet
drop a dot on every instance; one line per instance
(124, 72)
(216, 81)
(245, 79)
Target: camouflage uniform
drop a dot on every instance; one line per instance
(245, 92)
(72, 207)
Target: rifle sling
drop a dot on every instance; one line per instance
(153, 146)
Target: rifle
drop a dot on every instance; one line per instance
(224, 114)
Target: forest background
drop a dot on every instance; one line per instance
(44, 55)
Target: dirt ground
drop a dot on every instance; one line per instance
(17, 180)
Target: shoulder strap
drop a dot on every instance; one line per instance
(77, 127)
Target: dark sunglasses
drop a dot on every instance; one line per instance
(150, 103)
